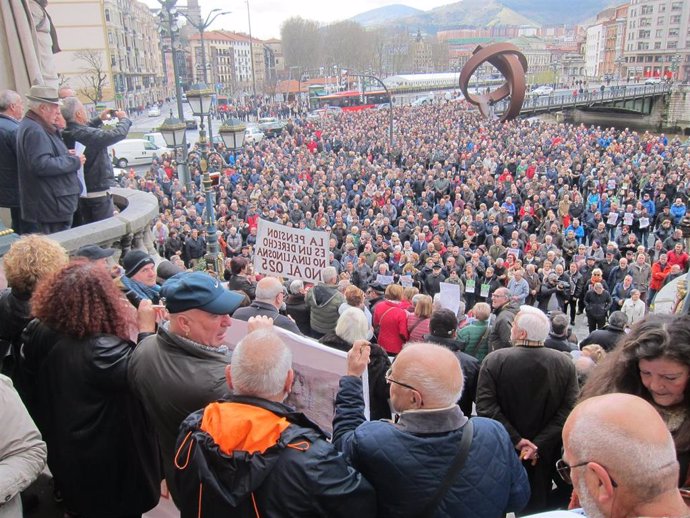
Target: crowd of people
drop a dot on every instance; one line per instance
(535, 224)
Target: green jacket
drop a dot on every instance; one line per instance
(474, 339)
(323, 302)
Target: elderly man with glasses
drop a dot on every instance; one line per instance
(620, 458)
(432, 461)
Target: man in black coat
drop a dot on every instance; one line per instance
(612, 333)
(531, 390)
(443, 326)
(97, 203)
(269, 300)
(11, 112)
(48, 184)
(296, 306)
(558, 337)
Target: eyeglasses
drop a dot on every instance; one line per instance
(564, 468)
(391, 380)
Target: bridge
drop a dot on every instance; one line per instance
(638, 99)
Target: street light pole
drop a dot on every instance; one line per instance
(251, 49)
(182, 168)
(390, 106)
(201, 27)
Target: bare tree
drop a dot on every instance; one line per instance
(95, 78)
(348, 45)
(302, 42)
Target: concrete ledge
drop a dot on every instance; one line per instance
(137, 210)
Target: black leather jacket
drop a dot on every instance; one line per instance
(98, 168)
(101, 445)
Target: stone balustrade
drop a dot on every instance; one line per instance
(129, 229)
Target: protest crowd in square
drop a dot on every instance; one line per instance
(458, 265)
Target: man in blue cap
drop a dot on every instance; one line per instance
(181, 368)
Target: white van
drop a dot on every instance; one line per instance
(158, 140)
(133, 152)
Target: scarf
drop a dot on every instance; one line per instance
(143, 291)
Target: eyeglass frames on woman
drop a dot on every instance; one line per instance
(564, 468)
(391, 380)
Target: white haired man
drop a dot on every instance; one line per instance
(48, 184)
(11, 112)
(621, 460)
(97, 203)
(255, 456)
(270, 299)
(415, 463)
(531, 390)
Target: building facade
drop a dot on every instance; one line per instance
(111, 51)
(594, 49)
(657, 41)
(234, 65)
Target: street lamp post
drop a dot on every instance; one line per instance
(168, 7)
(201, 27)
(675, 62)
(390, 106)
(232, 133)
(554, 67)
(619, 63)
(251, 49)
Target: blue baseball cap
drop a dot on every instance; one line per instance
(198, 290)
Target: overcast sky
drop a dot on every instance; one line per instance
(267, 15)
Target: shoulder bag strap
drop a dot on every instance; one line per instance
(479, 342)
(458, 462)
(417, 323)
(384, 314)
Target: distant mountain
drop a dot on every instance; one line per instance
(382, 15)
(558, 12)
(471, 13)
(468, 13)
(484, 13)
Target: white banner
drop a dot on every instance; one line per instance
(290, 252)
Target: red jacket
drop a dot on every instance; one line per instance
(391, 320)
(658, 275)
(679, 259)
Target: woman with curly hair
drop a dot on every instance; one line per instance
(28, 260)
(101, 450)
(653, 362)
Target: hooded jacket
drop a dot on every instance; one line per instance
(323, 302)
(250, 457)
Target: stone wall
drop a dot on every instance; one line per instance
(678, 113)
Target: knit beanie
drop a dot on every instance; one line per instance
(135, 260)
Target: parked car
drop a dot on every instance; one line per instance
(253, 134)
(132, 152)
(191, 123)
(158, 140)
(542, 90)
(270, 126)
(653, 81)
(154, 111)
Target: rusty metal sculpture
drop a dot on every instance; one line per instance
(510, 62)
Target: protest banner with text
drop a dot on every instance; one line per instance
(290, 252)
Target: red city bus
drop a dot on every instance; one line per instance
(351, 100)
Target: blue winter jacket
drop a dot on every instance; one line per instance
(406, 461)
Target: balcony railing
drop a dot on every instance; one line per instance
(129, 229)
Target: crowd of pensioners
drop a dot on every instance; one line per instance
(533, 223)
